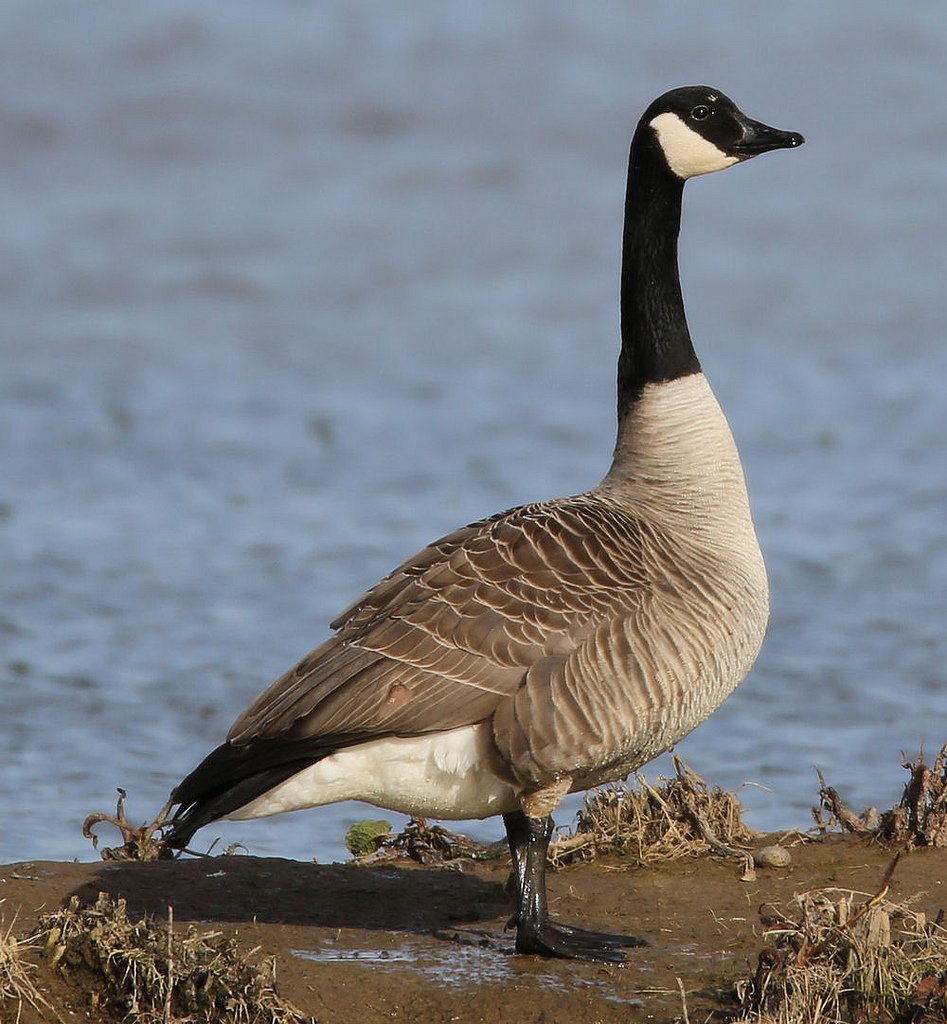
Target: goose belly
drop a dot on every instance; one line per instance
(438, 775)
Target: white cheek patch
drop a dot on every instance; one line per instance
(687, 152)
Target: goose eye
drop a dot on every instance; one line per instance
(701, 112)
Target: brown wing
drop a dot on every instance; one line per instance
(451, 633)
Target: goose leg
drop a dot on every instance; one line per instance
(535, 932)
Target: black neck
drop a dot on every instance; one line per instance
(655, 343)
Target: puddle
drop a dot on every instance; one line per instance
(460, 966)
(329, 955)
(457, 965)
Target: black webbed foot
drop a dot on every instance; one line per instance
(588, 937)
(555, 940)
(536, 933)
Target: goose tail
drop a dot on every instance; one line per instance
(230, 777)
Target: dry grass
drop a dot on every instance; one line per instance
(849, 958)
(676, 817)
(147, 972)
(17, 986)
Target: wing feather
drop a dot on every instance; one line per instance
(452, 632)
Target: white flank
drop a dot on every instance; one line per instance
(687, 152)
(440, 775)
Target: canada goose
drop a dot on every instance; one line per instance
(555, 646)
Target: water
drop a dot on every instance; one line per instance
(288, 292)
(468, 966)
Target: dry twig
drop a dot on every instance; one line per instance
(919, 819)
(141, 843)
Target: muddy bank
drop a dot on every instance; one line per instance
(371, 944)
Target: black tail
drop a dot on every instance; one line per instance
(230, 777)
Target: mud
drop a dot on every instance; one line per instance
(362, 945)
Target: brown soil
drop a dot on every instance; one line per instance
(371, 944)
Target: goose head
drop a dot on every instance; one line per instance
(697, 130)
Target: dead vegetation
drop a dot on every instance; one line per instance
(919, 819)
(142, 842)
(147, 972)
(418, 841)
(676, 817)
(849, 958)
(17, 985)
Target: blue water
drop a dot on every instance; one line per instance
(286, 291)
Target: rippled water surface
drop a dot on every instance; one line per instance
(288, 291)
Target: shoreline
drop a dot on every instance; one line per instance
(400, 941)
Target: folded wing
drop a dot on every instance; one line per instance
(447, 636)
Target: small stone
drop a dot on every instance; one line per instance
(772, 857)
